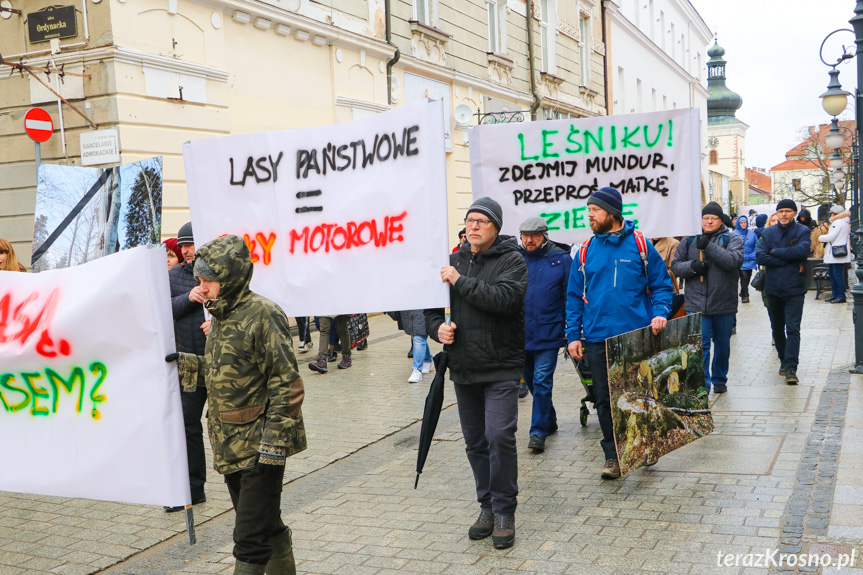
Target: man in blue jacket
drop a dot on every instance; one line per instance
(783, 251)
(614, 293)
(548, 266)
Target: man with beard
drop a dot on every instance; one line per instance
(618, 284)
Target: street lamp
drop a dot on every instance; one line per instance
(834, 101)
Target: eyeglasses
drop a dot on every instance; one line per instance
(710, 219)
(481, 223)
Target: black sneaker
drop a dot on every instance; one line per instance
(842, 300)
(174, 509)
(781, 371)
(522, 390)
(332, 355)
(791, 376)
(830, 299)
(552, 429)
(319, 365)
(719, 388)
(536, 443)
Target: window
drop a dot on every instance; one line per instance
(714, 157)
(547, 25)
(653, 99)
(665, 102)
(637, 13)
(683, 61)
(662, 29)
(795, 184)
(640, 107)
(422, 12)
(620, 90)
(652, 24)
(584, 50)
(496, 33)
(673, 45)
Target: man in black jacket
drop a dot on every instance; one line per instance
(187, 305)
(783, 251)
(485, 345)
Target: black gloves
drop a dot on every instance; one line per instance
(702, 241)
(700, 267)
(172, 357)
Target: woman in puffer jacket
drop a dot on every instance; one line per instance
(750, 240)
(837, 253)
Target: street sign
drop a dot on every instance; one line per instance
(38, 124)
(52, 22)
(99, 147)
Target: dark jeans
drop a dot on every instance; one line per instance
(538, 374)
(598, 362)
(716, 329)
(304, 333)
(256, 500)
(785, 316)
(837, 280)
(489, 418)
(745, 278)
(341, 322)
(193, 407)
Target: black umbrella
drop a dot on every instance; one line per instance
(431, 412)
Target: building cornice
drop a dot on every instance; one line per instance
(362, 104)
(334, 35)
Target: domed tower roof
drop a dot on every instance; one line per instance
(722, 102)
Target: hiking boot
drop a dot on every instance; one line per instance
(319, 365)
(483, 526)
(345, 363)
(781, 371)
(332, 355)
(536, 443)
(522, 390)
(611, 469)
(416, 376)
(503, 535)
(719, 388)
(791, 376)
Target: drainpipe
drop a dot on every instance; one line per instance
(536, 98)
(602, 10)
(396, 56)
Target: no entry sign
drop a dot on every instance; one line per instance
(38, 125)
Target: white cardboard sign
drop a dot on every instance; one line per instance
(348, 218)
(549, 169)
(88, 406)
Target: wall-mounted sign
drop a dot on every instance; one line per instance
(100, 147)
(52, 22)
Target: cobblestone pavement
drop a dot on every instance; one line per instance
(783, 470)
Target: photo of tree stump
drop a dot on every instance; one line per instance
(658, 395)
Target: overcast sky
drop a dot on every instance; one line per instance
(772, 51)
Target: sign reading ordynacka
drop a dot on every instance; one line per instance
(52, 22)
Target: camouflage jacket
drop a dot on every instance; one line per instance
(254, 389)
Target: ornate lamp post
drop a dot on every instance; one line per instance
(834, 101)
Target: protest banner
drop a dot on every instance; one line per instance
(658, 395)
(549, 169)
(88, 406)
(86, 213)
(338, 219)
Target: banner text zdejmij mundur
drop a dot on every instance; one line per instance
(549, 169)
(339, 219)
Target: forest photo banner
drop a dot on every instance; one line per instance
(549, 169)
(88, 406)
(351, 217)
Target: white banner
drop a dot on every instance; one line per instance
(88, 406)
(549, 169)
(340, 219)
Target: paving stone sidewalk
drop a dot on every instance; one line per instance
(779, 458)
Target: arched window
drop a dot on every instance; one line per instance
(714, 157)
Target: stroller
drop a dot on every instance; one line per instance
(582, 368)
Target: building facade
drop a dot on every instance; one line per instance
(657, 59)
(726, 134)
(162, 72)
